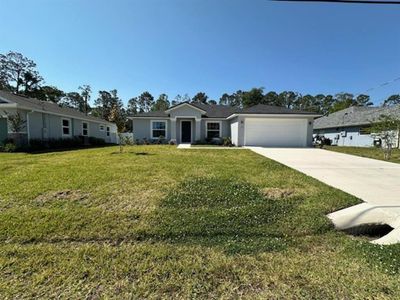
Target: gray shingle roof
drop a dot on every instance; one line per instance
(355, 116)
(269, 109)
(49, 107)
(216, 110)
(224, 111)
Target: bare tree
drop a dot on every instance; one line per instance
(387, 129)
(17, 123)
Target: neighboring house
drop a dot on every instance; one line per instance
(352, 126)
(260, 125)
(46, 120)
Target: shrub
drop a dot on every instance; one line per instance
(9, 147)
(159, 141)
(96, 141)
(124, 141)
(65, 143)
(200, 142)
(227, 142)
(37, 144)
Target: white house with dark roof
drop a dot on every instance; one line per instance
(351, 126)
(46, 120)
(259, 125)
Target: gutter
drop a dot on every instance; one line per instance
(274, 115)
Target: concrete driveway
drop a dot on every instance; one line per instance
(373, 181)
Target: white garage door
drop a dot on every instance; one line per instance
(276, 132)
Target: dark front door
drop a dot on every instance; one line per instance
(3, 130)
(186, 131)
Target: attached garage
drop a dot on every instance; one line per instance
(275, 132)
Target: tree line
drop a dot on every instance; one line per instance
(19, 75)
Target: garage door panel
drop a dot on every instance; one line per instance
(276, 132)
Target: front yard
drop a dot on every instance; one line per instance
(158, 222)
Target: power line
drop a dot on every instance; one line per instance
(343, 1)
(379, 86)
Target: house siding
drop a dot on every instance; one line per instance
(142, 130)
(310, 126)
(240, 137)
(352, 138)
(47, 126)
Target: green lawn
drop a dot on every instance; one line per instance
(158, 222)
(371, 152)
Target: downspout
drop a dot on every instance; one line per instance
(28, 127)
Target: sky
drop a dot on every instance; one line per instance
(213, 46)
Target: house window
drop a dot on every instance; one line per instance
(108, 131)
(101, 127)
(85, 129)
(365, 130)
(66, 127)
(213, 130)
(158, 128)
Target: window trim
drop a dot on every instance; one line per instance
(87, 128)
(108, 131)
(104, 127)
(151, 128)
(69, 127)
(219, 130)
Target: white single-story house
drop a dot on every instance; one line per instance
(259, 125)
(352, 126)
(46, 120)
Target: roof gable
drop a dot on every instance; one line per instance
(183, 104)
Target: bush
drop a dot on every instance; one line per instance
(321, 141)
(9, 147)
(37, 144)
(65, 143)
(215, 141)
(96, 141)
(227, 142)
(200, 142)
(75, 142)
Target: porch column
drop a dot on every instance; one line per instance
(173, 130)
(197, 135)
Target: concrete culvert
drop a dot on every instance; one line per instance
(381, 226)
(372, 230)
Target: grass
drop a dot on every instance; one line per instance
(158, 222)
(370, 152)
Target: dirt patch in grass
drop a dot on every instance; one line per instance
(278, 193)
(65, 195)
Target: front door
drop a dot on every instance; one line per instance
(3, 130)
(186, 127)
